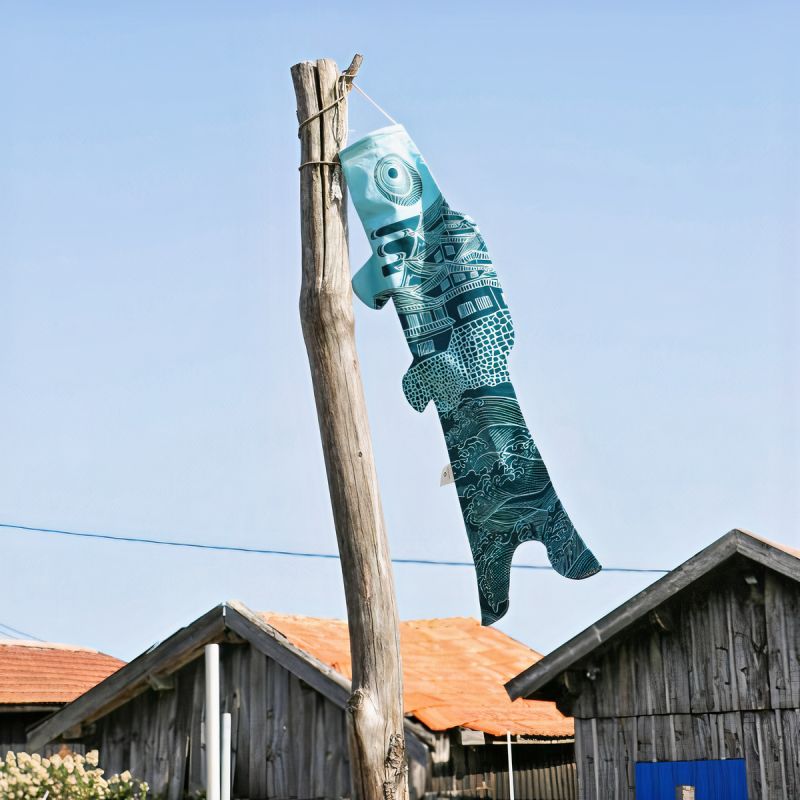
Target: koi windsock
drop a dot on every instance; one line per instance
(433, 263)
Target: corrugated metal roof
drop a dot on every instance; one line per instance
(453, 671)
(44, 673)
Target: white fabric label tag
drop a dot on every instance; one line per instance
(447, 476)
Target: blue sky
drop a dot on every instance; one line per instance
(634, 170)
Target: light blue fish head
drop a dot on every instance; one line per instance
(391, 186)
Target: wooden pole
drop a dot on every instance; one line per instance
(377, 745)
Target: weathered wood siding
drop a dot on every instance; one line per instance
(13, 734)
(12, 731)
(768, 741)
(541, 771)
(731, 646)
(714, 674)
(288, 740)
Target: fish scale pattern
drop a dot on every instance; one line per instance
(476, 356)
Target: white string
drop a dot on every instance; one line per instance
(390, 118)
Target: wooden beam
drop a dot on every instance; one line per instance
(273, 644)
(161, 683)
(132, 679)
(326, 311)
(785, 561)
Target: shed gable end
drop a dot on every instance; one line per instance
(729, 642)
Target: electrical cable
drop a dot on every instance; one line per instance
(274, 552)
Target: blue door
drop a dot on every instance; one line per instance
(712, 780)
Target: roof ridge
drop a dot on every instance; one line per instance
(444, 619)
(464, 618)
(282, 615)
(36, 644)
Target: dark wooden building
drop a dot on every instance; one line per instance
(285, 682)
(694, 682)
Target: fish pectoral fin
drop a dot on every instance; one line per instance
(417, 388)
(376, 280)
(440, 377)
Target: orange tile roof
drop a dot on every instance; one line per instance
(41, 672)
(453, 670)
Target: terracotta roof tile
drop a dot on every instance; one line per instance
(453, 670)
(40, 672)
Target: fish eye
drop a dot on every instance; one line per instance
(397, 180)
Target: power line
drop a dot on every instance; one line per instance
(269, 552)
(22, 634)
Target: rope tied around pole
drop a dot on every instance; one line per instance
(327, 108)
(322, 163)
(347, 82)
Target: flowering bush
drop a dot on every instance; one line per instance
(68, 777)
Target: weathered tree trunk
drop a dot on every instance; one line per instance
(377, 745)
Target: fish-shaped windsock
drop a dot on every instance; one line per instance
(433, 263)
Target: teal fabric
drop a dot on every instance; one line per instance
(433, 263)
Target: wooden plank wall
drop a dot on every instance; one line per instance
(145, 737)
(12, 732)
(723, 681)
(768, 740)
(13, 735)
(292, 741)
(541, 772)
(731, 646)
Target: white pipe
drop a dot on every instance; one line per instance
(225, 767)
(212, 722)
(510, 767)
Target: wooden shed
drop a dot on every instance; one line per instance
(692, 687)
(37, 678)
(285, 681)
